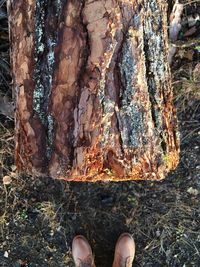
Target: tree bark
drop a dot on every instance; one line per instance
(93, 89)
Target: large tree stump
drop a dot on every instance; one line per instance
(93, 89)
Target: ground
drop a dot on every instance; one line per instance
(39, 217)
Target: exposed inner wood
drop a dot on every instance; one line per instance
(93, 89)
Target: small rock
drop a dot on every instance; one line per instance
(14, 168)
(7, 180)
(5, 254)
(51, 232)
(158, 233)
(193, 191)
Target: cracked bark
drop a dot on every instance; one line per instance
(93, 89)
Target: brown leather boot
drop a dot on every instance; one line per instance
(82, 252)
(124, 251)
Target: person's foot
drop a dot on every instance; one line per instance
(124, 251)
(82, 252)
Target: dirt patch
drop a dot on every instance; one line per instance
(43, 215)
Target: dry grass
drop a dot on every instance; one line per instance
(189, 76)
(6, 124)
(4, 51)
(186, 87)
(6, 149)
(49, 210)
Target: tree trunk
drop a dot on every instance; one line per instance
(93, 89)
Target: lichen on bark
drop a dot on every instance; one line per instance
(46, 38)
(39, 92)
(131, 122)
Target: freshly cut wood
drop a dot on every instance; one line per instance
(93, 89)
